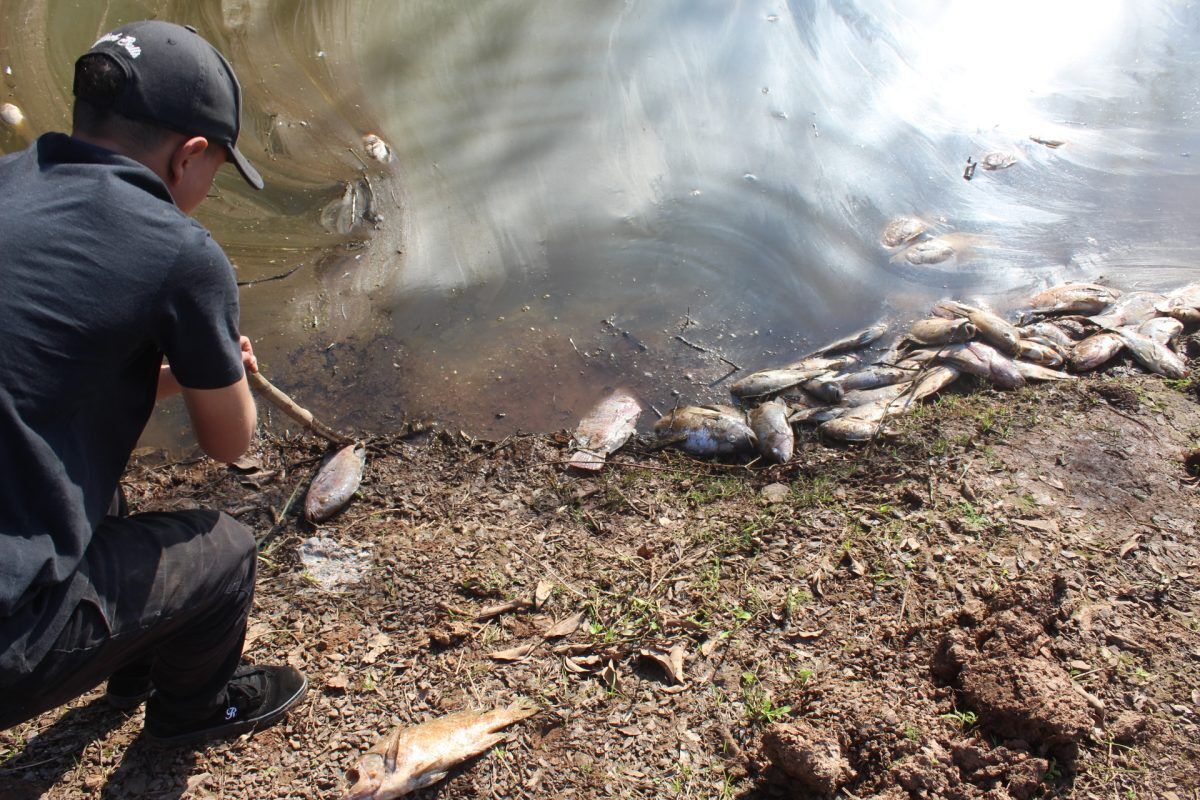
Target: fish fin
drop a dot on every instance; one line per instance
(586, 460)
(520, 709)
(428, 779)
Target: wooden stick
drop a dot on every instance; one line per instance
(288, 406)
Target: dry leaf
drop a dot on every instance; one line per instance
(255, 632)
(806, 634)
(1044, 525)
(542, 593)
(247, 463)
(581, 665)
(646, 551)
(565, 627)
(1129, 546)
(630, 730)
(663, 662)
(513, 654)
(340, 682)
(449, 634)
(609, 675)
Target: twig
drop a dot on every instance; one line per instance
(576, 349)
(282, 520)
(354, 153)
(695, 346)
(904, 601)
(289, 406)
(278, 277)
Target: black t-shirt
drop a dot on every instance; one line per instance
(101, 275)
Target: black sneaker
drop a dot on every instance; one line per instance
(128, 687)
(258, 697)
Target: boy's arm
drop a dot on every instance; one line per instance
(222, 419)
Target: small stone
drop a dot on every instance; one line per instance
(776, 493)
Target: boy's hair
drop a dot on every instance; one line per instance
(99, 81)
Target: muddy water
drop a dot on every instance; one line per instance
(574, 187)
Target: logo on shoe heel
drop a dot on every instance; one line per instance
(230, 713)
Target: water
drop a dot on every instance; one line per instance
(576, 185)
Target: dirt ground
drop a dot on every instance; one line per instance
(1000, 602)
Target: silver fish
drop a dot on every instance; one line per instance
(412, 758)
(859, 425)
(775, 437)
(824, 388)
(772, 381)
(604, 430)
(1045, 355)
(1164, 330)
(882, 394)
(816, 414)
(1036, 372)
(930, 251)
(1153, 356)
(985, 361)
(993, 328)
(1093, 351)
(1183, 304)
(1074, 298)
(939, 330)
(1049, 331)
(825, 363)
(927, 385)
(854, 341)
(706, 430)
(1133, 308)
(874, 377)
(336, 483)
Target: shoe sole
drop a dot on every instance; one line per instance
(233, 728)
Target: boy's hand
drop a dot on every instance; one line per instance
(249, 360)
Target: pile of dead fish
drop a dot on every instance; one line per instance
(1074, 327)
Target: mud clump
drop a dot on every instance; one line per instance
(972, 769)
(1004, 673)
(807, 755)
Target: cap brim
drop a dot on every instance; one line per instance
(243, 166)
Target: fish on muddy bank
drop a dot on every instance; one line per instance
(855, 341)
(1133, 308)
(1164, 330)
(411, 758)
(770, 424)
(939, 330)
(1039, 353)
(1152, 355)
(993, 328)
(706, 430)
(336, 483)
(604, 430)
(978, 358)
(1073, 298)
(1093, 351)
(772, 381)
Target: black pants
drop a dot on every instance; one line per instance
(170, 591)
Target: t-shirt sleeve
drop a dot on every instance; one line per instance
(198, 321)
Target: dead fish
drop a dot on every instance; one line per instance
(1039, 353)
(824, 388)
(1094, 351)
(1183, 304)
(882, 394)
(997, 159)
(939, 330)
(1074, 298)
(930, 251)
(336, 483)
(377, 148)
(772, 381)
(816, 415)
(1133, 308)
(1164, 330)
(901, 230)
(873, 377)
(1079, 328)
(985, 361)
(775, 437)
(929, 384)
(859, 425)
(825, 363)
(11, 114)
(604, 430)
(1036, 372)
(993, 328)
(411, 758)
(1153, 356)
(706, 430)
(855, 341)
(1049, 331)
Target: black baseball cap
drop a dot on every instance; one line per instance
(176, 79)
